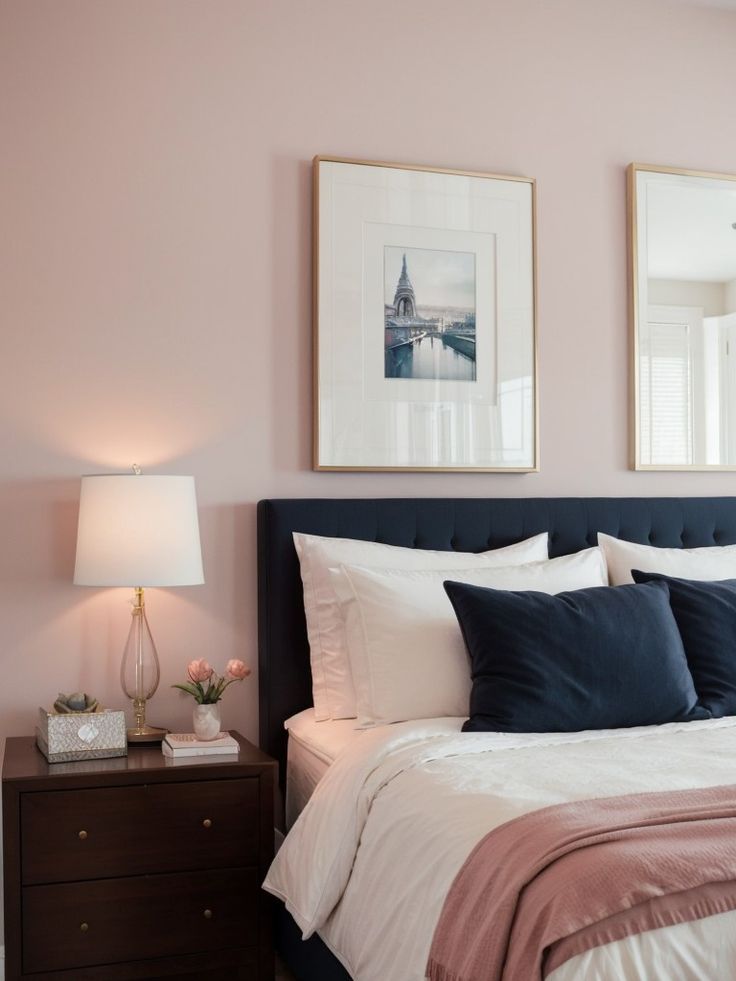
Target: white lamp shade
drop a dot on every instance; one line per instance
(138, 530)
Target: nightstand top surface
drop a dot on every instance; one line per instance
(25, 761)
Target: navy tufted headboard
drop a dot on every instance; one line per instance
(463, 524)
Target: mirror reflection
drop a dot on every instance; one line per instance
(684, 303)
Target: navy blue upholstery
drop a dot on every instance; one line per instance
(462, 524)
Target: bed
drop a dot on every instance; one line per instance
(465, 525)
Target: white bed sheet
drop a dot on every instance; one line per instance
(312, 747)
(369, 862)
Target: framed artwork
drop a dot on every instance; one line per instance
(424, 319)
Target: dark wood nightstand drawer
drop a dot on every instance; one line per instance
(78, 924)
(161, 845)
(114, 831)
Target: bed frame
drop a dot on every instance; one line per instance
(461, 524)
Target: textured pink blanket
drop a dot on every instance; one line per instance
(551, 884)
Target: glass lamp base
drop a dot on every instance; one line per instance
(146, 734)
(139, 672)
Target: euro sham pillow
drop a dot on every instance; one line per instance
(705, 613)
(407, 655)
(332, 685)
(590, 659)
(707, 563)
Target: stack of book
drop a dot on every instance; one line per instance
(178, 744)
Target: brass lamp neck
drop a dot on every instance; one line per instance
(138, 601)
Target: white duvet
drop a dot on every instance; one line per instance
(372, 856)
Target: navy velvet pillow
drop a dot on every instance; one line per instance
(599, 658)
(706, 617)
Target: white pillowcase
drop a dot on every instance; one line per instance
(332, 686)
(706, 564)
(407, 653)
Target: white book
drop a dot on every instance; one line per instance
(197, 759)
(178, 744)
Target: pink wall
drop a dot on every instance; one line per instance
(155, 263)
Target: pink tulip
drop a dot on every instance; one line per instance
(237, 670)
(199, 670)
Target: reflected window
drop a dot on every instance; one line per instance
(666, 393)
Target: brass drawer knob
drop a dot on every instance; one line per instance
(207, 823)
(83, 835)
(84, 927)
(208, 914)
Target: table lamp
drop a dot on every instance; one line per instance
(138, 531)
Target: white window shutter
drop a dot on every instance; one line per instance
(665, 379)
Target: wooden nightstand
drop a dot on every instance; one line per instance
(137, 868)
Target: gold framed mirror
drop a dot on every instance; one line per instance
(682, 297)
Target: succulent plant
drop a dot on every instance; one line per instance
(78, 701)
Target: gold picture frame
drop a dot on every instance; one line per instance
(636, 227)
(431, 412)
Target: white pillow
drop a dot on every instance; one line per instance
(407, 653)
(332, 686)
(705, 564)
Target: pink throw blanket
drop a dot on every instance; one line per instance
(554, 883)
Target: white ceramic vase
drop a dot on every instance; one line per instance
(207, 721)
